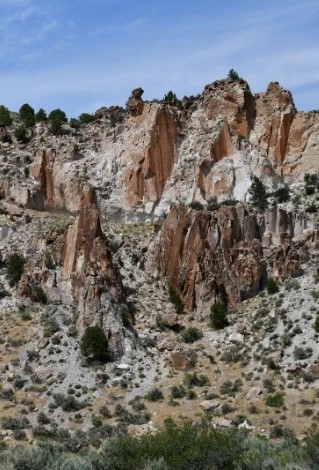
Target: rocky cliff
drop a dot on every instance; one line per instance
(227, 254)
(98, 221)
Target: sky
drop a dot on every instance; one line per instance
(79, 55)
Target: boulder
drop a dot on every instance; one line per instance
(209, 405)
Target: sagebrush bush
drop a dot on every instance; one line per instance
(272, 287)
(155, 394)
(191, 334)
(21, 135)
(275, 401)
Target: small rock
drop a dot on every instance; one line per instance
(273, 313)
(208, 405)
(167, 344)
(254, 393)
(181, 360)
(236, 338)
(222, 422)
(245, 425)
(123, 367)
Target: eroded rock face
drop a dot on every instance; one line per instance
(275, 112)
(135, 103)
(56, 189)
(205, 256)
(150, 169)
(95, 283)
(232, 100)
(226, 254)
(3, 131)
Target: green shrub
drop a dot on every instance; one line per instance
(212, 204)
(86, 118)
(191, 334)
(178, 391)
(230, 387)
(218, 316)
(21, 135)
(258, 194)
(272, 287)
(41, 116)
(43, 418)
(116, 118)
(56, 128)
(27, 115)
(195, 380)
(5, 117)
(94, 344)
(58, 115)
(316, 324)
(176, 300)
(48, 260)
(170, 97)
(196, 205)
(275, 401)
(233, 75)
(15, 267)
(229, 202)
(302, 353)
(282, 194)
(39, 295)
(155, 394)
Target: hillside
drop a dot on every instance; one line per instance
(144, 222)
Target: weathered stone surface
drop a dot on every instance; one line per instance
(170, 320)
(167, 344)
(135, 103)
(149, 170)
(220, 256)
(232, 100)
(313, 371)
(275, 112)
(181, 360)
(236, 338)
(96, 285)
(205, 256)
(209, 405)
(55, 190)
(254, 393)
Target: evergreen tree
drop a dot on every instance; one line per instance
(218, 316)
(15, 267)
(56, 128)
(86, 118)
(21, 135)
(5, 117)
(58, 115)
(258, 193)
(233, 75)
(27, 115)
(41, 116)
(94, 344)
(170, 97)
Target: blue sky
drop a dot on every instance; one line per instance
(82, 54)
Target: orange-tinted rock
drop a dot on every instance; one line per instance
(233, 101)
(207, 256)
(135, 103)
(275, 111)
(56, 189)
(146, 179)
(96, 285)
